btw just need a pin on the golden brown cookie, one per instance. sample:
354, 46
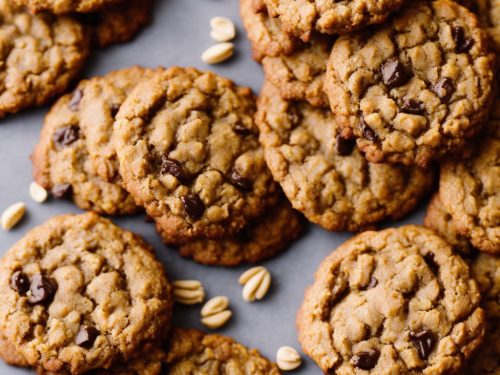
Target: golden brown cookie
10, 355
66, 6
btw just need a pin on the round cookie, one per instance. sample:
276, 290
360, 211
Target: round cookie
395, 301
469, 190
194, 352
417, 87
41, 55
264, 237
79, 293
10, 355
324, 175
488, 12
62, 165
188, 152
302, 18
65, 6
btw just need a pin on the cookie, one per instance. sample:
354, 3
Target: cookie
265, 237
79, 293
62, 164
41, 55
66, 6
265, 33
324, 175
469, 190
488, 12
10, 355
300, 76
194, 352
188, 152
392, 302
302, 18
416, 88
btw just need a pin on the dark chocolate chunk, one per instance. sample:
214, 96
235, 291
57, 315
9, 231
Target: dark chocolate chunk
413, 107
67, 135
242, 130
20, 282
394, 73
424, 341
62, 191
462, 43
174, 168
239, 181
444, 88
344, 146
365, 360
75, 100
193, 206
42, 289
86, 336
368, 132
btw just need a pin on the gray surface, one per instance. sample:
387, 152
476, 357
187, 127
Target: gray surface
178, 36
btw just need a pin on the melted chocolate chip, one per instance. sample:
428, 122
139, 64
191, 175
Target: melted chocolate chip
413, 107
373, 282
42, 289
462, 43
86, 336
20, 282
444, 88
394, 73
67, 135
424, 341
193, 206
239, 181
242, 130
365, 360
174, 168
62, 191
431, 262
368, 132
344, 146
75, 100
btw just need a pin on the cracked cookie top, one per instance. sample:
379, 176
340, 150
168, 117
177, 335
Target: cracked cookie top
41, 55
188, 151
394, 301
324, 175
417, 87
488, 12
79, 293
65, 6
194, 352
303, 17
62, 163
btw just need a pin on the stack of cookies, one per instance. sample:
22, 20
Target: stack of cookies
46, 43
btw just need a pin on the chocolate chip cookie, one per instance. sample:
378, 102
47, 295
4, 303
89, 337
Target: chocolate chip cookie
62, 165
265, 237
41, 55
66, 6
10, 355
417, 87
78, 293
395, 301
324, 175
469, 190
488, 12
194, 352
188, 152
302, 17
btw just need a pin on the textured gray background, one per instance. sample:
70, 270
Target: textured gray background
178, 36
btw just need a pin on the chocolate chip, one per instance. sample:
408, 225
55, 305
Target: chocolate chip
413, 107
67, 135
242, 130
62, 191
20, 282
444, 88
394, 73
373, 282
424, 341
365, 360
344, 146
368, 132
42, 289
431, 262
239, 181
462, 43
86, 336
174, 168
115, 107
193, 206
75, 100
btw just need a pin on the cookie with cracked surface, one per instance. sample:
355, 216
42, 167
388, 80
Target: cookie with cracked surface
265, 33
194, 352
397, 301
324, 175
62, 164
66, 6
488, 12
469, 190
79, 293
265, 237
41, 55
303, 17
417, 87
188, 152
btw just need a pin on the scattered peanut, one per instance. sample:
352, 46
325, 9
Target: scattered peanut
223, 29
38, 193
218, 53
13, 215
256, 281
188, 292
214, 314
287, 358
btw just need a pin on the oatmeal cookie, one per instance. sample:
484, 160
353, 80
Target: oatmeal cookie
65, 6
10, 355
417, 87
396, 301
